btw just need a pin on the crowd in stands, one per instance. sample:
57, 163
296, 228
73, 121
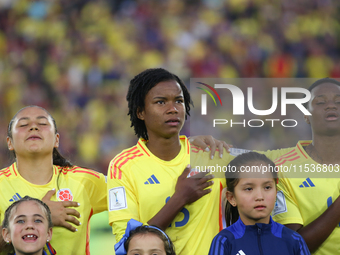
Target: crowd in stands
75, 58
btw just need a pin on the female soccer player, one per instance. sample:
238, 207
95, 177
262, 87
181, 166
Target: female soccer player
149, 183
251, 198
41, 172
311, 206
27, 226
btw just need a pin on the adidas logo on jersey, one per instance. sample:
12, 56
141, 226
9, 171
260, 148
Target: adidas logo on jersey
152, 180
16, 197
307, 183
240, 252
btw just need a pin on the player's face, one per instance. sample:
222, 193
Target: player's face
28, 228
164, 111
146, 244
33, 132
255, 198
325, 109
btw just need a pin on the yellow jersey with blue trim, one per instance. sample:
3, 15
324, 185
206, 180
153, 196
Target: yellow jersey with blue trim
139, 185
84, 186
303, 200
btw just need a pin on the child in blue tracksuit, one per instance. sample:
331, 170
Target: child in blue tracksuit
251, 194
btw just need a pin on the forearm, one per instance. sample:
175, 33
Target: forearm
169, 211
319, 230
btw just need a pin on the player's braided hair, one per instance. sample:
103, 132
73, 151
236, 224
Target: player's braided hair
231, 212
58, 159
140, 85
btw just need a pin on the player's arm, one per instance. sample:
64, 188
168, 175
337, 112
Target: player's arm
319, 230
187, 191
206, 141
62, 214
96, 188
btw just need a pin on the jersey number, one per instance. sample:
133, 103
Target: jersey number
186, 216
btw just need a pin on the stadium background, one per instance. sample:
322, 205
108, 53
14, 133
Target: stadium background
75, 58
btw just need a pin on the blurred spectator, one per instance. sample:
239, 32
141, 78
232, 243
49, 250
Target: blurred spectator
75, 58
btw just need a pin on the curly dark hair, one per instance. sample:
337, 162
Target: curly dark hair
140, 85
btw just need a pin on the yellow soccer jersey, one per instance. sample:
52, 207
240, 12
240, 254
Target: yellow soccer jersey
84, 186
302, 200
139, 185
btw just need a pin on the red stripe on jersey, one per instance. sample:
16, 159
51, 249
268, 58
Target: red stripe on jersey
116, 166
220, 214
197, 148
88, 234
283, 158
14, 170
86, 172
301, 151
194, 151
118, 157
143, 149
288, 160
114, 173
287, 153
6, 172
188, 146
128, 158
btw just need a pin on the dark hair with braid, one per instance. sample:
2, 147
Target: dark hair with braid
140, 85
231, 212
143, 230
58, 159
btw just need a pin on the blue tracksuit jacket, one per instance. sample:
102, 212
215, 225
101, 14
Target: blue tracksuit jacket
258, 239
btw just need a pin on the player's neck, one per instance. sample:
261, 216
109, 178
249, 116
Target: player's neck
165, 149
325, 149
35, 171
